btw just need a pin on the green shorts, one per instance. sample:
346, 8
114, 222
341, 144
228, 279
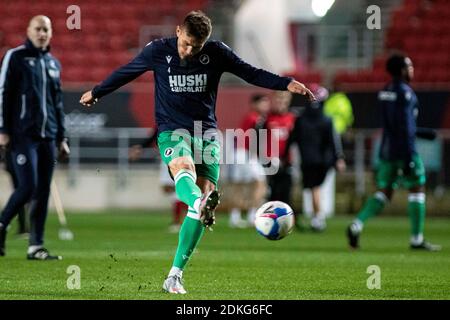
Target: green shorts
389, 174
205, 153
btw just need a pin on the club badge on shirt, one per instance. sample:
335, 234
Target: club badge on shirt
21, 159
204, 59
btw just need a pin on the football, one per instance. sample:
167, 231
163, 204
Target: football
274, 220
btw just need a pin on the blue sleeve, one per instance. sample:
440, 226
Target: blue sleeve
406, 123
251, 74
141, 63
8, 76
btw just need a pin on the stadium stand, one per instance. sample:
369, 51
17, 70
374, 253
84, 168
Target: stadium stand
419, 28
109, 34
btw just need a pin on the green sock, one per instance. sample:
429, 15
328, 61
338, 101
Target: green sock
190, 234
416, 212
372, 207
186, 189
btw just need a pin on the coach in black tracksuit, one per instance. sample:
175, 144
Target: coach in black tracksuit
320, 149
32, 127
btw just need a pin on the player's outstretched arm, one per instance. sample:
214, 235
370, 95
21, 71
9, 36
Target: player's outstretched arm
87, 99
141, 63
260, 77
300, 88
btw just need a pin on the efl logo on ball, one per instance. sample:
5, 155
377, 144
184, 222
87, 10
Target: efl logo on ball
274, 220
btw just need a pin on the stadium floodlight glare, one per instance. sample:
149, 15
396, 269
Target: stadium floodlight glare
321, 7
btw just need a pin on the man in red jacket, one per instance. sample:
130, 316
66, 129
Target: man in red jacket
247, 176
280, 122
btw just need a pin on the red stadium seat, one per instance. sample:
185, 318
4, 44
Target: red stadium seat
115, 43
420, 29
66, 41
92, 42
15, 25
73, 75
97, 74
13, 40
439, 75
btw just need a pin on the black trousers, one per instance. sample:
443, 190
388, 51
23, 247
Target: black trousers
33, 164
280, 185
21, 213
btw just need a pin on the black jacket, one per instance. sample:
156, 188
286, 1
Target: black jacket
30, 94
318, 142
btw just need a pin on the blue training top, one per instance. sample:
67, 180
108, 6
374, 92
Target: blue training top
31, 100
399, 107
186, 90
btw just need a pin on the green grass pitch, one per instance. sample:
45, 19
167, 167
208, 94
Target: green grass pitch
126, 255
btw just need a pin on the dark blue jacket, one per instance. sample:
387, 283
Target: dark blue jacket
30, 94
186, 90
399, 108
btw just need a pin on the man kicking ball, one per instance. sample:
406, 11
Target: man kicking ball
187, 69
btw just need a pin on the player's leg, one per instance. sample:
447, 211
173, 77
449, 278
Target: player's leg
276, 186
287, 186
374, 205
258, 195
415, 182
318, 223
21, 214
176, 151
281, 185
193, 227
258, 189
208, 171
22, 229
239, 201
25, 167
46, 156
185, 177
238, 173
170, 192
314, 176
178, 207
191, 232
386, 180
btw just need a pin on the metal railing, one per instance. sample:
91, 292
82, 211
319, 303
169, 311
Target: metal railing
106, 146
111, 145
